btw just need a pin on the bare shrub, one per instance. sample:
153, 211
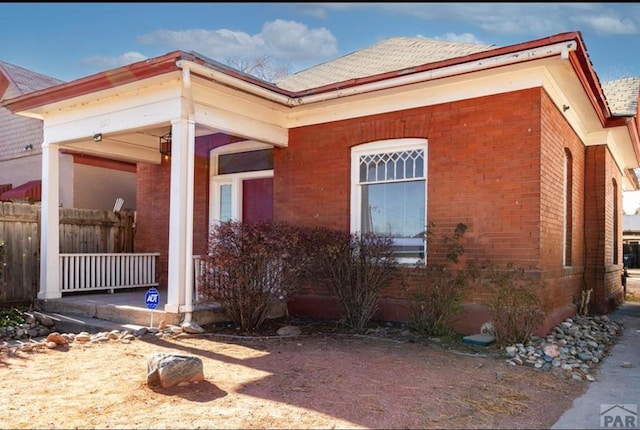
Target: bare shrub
355, 267
436, 291
251, 268
514, 302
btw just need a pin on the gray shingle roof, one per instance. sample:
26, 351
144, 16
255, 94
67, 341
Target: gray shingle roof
396, 53
25, 81
622, 95
16, 132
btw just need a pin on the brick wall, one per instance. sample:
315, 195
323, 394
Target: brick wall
495, 163
483, 170
604, 195
152, 230
562, 284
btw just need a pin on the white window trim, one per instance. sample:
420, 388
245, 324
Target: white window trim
377, 147
234, 179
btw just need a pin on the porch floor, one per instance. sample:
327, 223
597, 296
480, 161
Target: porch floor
126, 309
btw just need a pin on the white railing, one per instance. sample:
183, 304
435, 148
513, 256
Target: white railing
198, 268
91, 272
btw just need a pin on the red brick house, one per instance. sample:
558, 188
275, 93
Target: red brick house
520, 143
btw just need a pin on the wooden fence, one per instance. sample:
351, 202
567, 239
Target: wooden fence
81, 231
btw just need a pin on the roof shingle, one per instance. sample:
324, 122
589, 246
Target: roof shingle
622, 95
395, 53
16, 131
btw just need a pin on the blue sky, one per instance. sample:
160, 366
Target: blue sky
72, 40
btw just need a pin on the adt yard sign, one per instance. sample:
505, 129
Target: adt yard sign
152, 298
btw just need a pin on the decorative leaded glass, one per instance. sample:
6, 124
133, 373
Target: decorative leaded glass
390, 166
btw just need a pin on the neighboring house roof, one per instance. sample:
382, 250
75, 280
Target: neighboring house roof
31, 191
24, 81
622, 95
395, 53
18, 132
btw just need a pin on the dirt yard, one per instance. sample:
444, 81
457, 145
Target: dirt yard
315, 380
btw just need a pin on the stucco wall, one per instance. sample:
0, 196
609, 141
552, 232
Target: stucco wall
98, 187
18, 171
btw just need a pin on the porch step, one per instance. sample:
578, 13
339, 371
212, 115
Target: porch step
77, 324
98, 310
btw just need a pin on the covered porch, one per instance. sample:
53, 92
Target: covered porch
149, 112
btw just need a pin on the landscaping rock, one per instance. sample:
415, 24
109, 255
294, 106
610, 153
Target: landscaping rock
571, 349
169, 370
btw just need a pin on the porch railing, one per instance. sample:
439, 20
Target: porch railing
198, 269
91, 272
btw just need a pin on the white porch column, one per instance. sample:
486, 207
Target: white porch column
180, 265
50, 227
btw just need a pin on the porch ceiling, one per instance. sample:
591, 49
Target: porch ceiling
134, 145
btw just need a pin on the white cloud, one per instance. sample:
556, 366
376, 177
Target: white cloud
464, 37
287, 41
103, 62
537, 19
607, 24
314, 10
294, 41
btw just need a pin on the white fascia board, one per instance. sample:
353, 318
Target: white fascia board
214, 95
427, 93
84, 124
144, 86
240, 125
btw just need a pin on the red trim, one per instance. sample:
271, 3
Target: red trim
106, 163
97, 82
4, 84
166, 63
558, 38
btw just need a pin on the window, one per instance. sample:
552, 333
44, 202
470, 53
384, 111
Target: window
568, 207
614, 230
241, 182
388, 193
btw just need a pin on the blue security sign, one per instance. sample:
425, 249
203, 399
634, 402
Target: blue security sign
152, 298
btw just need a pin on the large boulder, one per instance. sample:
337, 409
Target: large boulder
168, 370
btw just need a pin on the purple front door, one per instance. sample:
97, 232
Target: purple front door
257, 200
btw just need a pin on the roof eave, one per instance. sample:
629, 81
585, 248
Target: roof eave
168, 63
97, 82
478, 56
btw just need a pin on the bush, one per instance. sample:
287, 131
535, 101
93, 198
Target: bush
436, 291
355, 267
514, 302
251, 268
12, 317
